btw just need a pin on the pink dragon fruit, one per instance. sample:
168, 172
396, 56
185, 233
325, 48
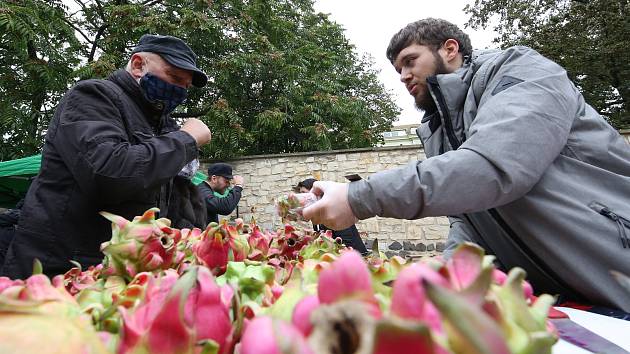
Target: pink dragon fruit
144, 244
213, 249
348, 278
409, 300
239, 246
183, 315
259, 244
265, 335
76, 279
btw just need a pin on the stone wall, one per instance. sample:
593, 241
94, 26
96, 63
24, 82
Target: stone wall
270, 176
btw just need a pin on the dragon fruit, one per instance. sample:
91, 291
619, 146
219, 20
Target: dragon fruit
144, 244
184, 315
265, 335
36, 317
213, 248
292, 290
259, 244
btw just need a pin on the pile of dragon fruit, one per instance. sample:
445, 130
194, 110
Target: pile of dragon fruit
235, 288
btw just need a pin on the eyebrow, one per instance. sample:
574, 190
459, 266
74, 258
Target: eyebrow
401, 60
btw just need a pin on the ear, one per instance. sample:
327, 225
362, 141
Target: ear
137, 66
450, 50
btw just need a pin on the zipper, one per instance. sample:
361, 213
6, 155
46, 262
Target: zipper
622, 223
438, 97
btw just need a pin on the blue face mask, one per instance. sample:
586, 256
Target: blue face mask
158, 90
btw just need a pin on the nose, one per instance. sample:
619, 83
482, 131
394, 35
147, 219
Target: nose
405, 75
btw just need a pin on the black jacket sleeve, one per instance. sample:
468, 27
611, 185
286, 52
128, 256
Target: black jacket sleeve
91, 138
225, 205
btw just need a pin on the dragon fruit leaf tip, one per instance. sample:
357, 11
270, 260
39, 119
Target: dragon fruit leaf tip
470, 328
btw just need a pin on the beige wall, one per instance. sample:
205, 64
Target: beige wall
269, 176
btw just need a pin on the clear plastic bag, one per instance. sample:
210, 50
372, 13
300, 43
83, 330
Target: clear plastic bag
290, 206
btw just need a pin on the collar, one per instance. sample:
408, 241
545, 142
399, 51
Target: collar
152, 111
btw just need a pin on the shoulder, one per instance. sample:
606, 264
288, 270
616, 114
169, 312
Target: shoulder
205, 189
514, 64
519, 59
94, 90
97, 84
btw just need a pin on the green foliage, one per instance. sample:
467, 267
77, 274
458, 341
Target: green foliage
282, 77
586, 37
38, 52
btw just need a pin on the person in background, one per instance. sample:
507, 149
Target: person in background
111, 146
349, 236
219, 178
517, 159
8, 222
187, 209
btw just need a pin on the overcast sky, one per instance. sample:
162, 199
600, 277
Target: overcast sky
369, 26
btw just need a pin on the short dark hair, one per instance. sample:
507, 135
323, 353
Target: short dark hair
307, 183
432, 32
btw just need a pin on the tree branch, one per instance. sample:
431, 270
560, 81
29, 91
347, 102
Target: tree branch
99, 9
95, 43
81, 4
77, 29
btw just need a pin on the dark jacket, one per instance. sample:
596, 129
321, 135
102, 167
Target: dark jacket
8, 221
350, 237
106, 149
186, 205
216, 206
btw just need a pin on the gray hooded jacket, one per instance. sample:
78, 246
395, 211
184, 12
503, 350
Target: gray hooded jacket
524, 167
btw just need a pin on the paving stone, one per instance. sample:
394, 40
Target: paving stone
395, 246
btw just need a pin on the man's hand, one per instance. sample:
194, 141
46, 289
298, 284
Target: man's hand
238, 180
333, 209
198, 130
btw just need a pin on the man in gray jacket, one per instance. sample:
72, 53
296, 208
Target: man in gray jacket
517, 159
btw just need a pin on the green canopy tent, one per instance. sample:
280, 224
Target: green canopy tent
16, 176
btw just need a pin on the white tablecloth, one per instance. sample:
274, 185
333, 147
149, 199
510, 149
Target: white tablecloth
615, 330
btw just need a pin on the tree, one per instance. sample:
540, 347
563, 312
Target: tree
587, 37
282, 77
38, 52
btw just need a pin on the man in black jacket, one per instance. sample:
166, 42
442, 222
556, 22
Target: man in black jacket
219, 177
111, 146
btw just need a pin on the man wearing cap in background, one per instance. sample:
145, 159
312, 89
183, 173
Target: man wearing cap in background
111, 146
219, 177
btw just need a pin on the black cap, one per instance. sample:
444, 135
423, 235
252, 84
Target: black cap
175, 52
307, 183
220, 169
